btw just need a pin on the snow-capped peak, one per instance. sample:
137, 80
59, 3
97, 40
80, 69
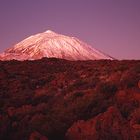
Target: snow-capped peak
50, 32
50, 44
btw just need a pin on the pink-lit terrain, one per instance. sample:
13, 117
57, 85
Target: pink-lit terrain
69, 91
70, 70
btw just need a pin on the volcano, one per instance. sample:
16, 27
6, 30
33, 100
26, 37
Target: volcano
52, 45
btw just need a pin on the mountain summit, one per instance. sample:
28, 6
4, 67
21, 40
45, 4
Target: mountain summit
50, 44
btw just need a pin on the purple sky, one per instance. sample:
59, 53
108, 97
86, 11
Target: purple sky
112, 26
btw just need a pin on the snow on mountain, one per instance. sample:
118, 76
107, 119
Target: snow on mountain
50, 44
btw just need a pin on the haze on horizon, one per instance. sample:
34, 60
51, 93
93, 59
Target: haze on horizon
112, 26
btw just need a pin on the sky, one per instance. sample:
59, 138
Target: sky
112, 26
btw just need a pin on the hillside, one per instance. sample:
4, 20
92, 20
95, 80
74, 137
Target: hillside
56, 99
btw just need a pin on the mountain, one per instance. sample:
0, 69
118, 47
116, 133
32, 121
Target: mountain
50, 44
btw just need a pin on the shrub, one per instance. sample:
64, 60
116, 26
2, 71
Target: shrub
107, 89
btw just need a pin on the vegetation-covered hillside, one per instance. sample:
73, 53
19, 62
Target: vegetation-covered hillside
53, 99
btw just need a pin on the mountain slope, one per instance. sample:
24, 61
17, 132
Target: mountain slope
50, 44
